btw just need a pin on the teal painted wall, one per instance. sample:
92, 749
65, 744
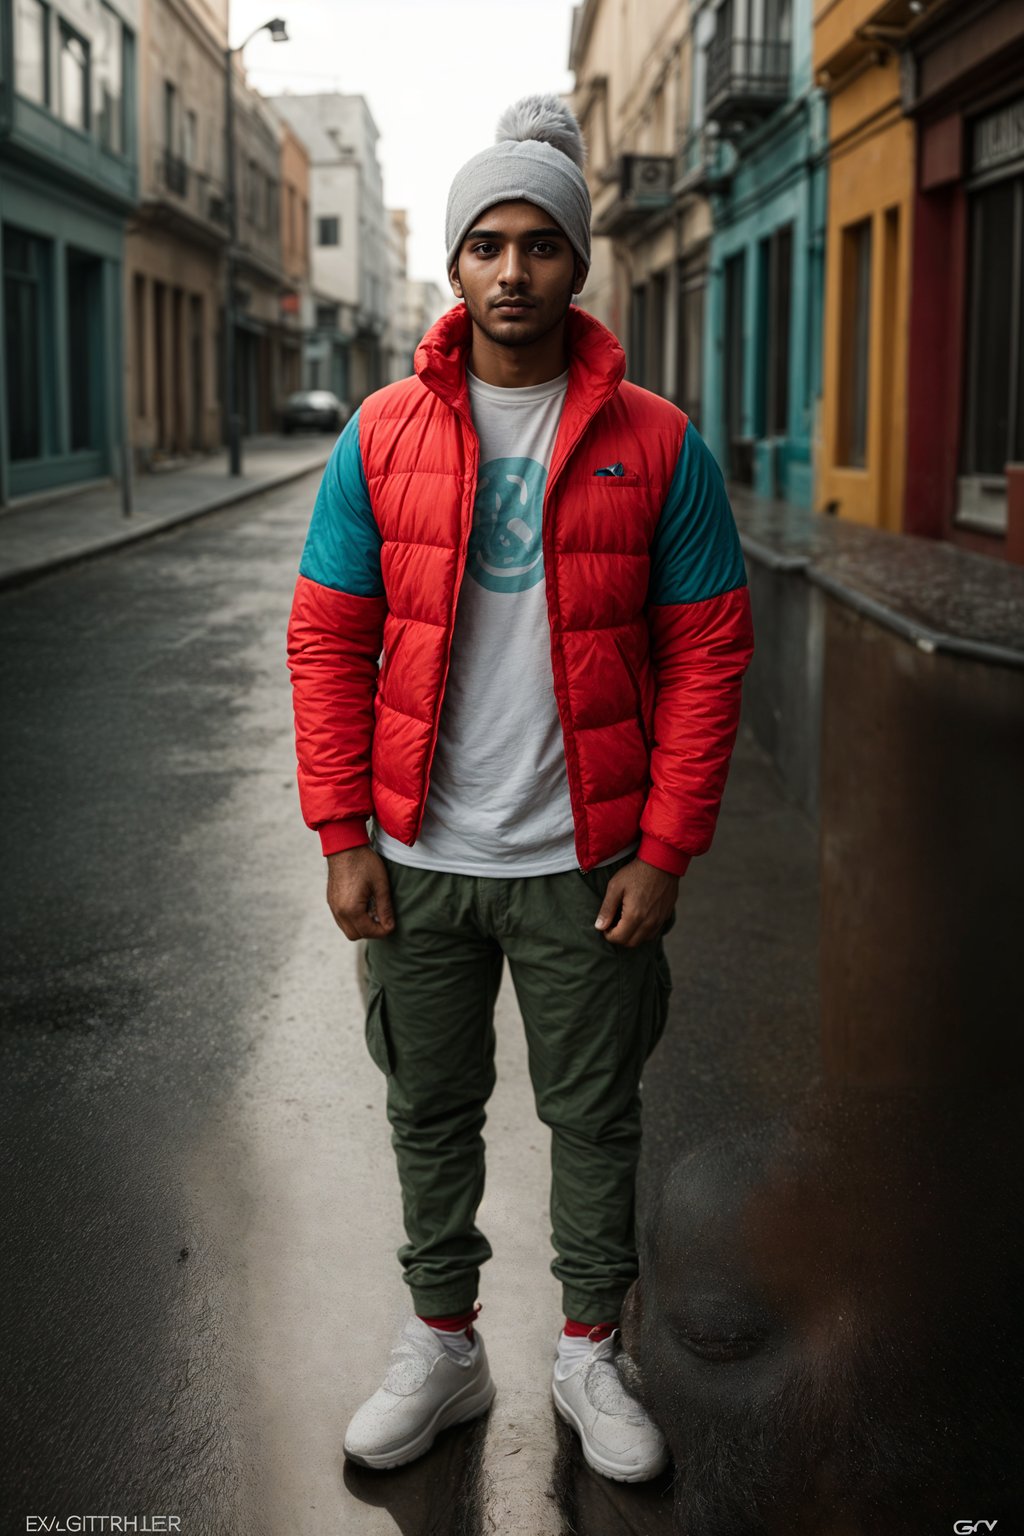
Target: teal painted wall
52, 214
778, 177
59, 185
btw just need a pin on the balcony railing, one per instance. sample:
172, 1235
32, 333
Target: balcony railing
185, 194
700, 163
746, 78
175, 174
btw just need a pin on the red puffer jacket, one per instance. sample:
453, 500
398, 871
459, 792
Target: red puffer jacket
646, 594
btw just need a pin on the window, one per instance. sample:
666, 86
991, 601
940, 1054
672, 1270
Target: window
170, 117
107, 80
31, 75
190, 139
994, 386
776, 289
735, 289
777, 20
327, 317
74, 79
638, 334
25, 275
328, 231
139, 325
659, 323
85, 309
690, 345
855, 334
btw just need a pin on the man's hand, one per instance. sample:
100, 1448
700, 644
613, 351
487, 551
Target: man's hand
358, 893
637, 904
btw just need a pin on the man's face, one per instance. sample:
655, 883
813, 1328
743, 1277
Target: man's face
517, 273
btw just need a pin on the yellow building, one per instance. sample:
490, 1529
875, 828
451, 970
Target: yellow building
861, 459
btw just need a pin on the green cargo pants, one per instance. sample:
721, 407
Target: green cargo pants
593, 1012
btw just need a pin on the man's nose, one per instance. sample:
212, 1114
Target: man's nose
513, 271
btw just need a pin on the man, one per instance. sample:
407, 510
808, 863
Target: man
547, 557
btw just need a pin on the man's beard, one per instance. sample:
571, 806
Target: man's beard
523, 334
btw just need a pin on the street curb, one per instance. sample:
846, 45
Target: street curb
24, 575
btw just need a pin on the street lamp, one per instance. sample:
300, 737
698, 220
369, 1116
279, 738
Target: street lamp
279, 32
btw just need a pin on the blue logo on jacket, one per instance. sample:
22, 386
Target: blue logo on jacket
505, 549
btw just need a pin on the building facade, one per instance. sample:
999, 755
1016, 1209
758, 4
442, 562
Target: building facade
763, 321
296, 298
861, 471
68, 183
633, 66
398, 335
346, 349
964, 90
176, 244
264, 336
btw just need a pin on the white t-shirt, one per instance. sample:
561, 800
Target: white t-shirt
499, 796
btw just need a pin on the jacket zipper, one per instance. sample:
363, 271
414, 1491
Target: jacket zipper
460, 571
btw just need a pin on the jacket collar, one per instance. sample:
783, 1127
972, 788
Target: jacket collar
597, 362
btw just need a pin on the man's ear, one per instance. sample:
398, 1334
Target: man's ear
453, 278
579, 276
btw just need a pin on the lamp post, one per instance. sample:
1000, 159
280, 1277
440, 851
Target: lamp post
279, 33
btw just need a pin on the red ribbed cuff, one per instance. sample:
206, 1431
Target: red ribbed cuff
339, 836
662, 856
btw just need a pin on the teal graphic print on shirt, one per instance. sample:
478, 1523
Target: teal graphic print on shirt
505, 549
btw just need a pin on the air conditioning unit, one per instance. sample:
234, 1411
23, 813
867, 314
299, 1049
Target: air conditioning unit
647, 178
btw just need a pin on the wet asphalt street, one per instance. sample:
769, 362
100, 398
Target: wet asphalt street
201, 1207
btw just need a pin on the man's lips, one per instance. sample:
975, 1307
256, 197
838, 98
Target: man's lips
517, 306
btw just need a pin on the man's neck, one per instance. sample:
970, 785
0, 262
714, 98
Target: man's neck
518, 367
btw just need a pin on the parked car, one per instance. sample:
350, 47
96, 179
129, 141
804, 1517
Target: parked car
314, 408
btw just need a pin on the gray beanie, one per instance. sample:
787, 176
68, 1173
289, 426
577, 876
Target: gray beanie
538, 158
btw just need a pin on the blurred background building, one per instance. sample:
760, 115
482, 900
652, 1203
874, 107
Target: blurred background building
177, 238
807, 219
114, 227
346, 350
69, 162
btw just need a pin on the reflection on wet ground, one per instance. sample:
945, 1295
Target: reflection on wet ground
826, 1323
439, 1495
595, 1506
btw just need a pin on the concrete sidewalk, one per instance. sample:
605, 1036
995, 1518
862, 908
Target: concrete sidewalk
41, 535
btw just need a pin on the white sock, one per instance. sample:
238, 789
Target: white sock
572, 1351
457, 1344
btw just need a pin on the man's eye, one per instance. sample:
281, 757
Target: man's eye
543, 246
483, 249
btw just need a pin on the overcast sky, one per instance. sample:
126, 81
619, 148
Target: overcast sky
436, 73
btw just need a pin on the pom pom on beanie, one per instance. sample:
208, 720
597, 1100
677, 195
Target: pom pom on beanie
547, 119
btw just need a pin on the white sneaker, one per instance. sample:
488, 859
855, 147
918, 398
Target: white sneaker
617, 1437
425, 1390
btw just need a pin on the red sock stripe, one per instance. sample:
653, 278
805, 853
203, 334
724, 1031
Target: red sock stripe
593, 1331
461, 1324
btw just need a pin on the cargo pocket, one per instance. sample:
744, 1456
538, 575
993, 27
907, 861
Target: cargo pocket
377, 1041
